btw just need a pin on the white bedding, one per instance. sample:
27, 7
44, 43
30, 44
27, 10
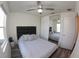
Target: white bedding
54, 36
39, 48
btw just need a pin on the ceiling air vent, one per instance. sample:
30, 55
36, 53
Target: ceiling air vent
69, 9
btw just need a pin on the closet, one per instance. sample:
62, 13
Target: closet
68, 30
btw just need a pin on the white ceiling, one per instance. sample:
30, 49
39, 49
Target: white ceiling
22, 6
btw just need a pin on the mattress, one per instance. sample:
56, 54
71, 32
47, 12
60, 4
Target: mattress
39, 48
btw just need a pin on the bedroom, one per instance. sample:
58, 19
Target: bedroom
20, 23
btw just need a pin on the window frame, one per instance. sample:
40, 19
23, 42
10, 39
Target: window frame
4, 26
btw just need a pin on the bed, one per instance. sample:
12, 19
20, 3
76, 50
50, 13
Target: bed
38, 48
54, 36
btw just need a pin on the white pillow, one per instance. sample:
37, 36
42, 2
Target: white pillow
29, 37
25, 37
34, 37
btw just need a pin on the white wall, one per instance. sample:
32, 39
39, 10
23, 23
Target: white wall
22, 19
77, 7
75, 53
45, 27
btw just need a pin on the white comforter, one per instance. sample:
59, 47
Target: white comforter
39, 48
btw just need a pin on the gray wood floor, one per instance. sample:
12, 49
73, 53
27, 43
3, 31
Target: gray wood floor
15, 52
61, 53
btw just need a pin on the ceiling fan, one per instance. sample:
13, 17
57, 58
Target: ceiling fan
40, 8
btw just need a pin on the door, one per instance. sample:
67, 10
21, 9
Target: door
77, 23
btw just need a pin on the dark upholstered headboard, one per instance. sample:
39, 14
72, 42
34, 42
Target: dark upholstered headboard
25, 30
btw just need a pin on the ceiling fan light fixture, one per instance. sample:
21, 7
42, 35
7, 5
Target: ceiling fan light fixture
39, 10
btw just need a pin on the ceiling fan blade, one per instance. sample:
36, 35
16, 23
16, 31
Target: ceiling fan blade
30, 9
52, 13
39, 4
49, 8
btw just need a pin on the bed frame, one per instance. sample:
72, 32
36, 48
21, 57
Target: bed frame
25, 30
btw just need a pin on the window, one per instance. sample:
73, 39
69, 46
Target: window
58, 27
2, 23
